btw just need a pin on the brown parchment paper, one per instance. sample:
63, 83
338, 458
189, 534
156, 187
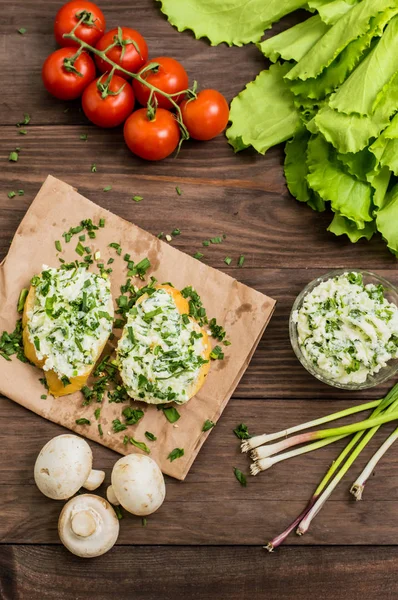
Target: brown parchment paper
243, 312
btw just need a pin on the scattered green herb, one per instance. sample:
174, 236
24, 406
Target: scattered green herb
179, 192
144, 521
58, 246
240, 477
241, 431
107, 188
22, 30
206, 243
137, 198
13, 156
97, 413
176, 232
11, 194
227, 260
140, 445
118, 512
126, 440
25, 121
150, 436
217, 353
171, 414
43, 397
241, 260
118, 426
100, 429
176, 453
93, 168
21, 300
21, 192
22, 132
198, 255
84, 137
208, 425
82, 421
217, 240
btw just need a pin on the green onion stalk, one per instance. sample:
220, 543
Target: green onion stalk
359, 484
305, 517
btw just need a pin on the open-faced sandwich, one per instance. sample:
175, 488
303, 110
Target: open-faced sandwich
67, 321
163, 354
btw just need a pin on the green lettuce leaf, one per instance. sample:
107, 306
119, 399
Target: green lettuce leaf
330, 12
366, 86
387, 219
349, 27
296, 171
379, 180
385, 148
342, 226
338, 71
348, 196
358, 164
351, 133
235, 22
263, 114
295, 42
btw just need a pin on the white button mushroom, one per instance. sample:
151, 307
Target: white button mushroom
64, 465
88, 526
137, 484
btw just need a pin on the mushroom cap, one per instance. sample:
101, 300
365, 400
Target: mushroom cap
63, 466
88, 526
138, 484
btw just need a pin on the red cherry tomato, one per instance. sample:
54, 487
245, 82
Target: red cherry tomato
135, 53
63, 83
152, 140
206, 116
170, 77
69, 15
112, 110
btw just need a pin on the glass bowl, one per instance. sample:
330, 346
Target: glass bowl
390, 292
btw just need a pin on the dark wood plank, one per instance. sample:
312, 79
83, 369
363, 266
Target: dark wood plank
44, 573
210, 507
243, 196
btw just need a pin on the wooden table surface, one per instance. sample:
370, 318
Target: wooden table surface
206, 540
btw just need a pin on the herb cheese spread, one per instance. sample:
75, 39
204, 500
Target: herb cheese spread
70, 319
346, 329
162, 352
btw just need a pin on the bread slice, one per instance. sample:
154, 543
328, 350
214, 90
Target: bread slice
164, 357
67, 363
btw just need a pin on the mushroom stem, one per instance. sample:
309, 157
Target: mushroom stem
110, 494
94, 480
83, 523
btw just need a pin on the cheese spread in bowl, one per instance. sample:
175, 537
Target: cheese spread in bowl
344, 329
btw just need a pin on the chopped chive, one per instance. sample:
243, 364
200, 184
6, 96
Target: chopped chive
13, 156
102, 222
84, 137
198, 255
25, 121
107, 188
21, 300
206, 243
144, 521
126, 440
22, 30
82, 237
91, 234
150, 436
217, 353
207, 425
110, 261
76, 229
11, 194
43, 396
140, 445
160, 235
97, 413
21, 192
137, 198
176, 453
216, 240
82, 421
179, 192
79, 249
93, 168
58, 246
100, 429
240, 477
176, 232
241, 260
227, 260
171, 414
22, 132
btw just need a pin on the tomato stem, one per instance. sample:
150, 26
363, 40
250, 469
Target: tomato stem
137, 76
